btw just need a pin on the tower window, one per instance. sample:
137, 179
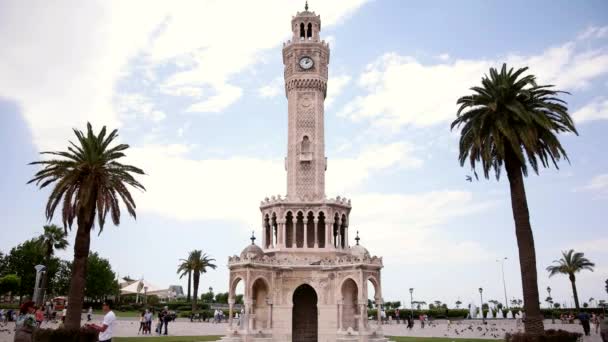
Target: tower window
309, 33
302, 31
305, 144
305, 150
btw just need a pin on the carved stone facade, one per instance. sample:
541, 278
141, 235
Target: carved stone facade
305, 283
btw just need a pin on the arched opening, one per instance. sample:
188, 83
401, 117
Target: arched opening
343, 232
275, 230
261, 309
300, 230
301, 30
350, 310
372, 296
305, 144
289, 238
267, 232
304, 315
237, 292
309, 32
336, 230
310, 230
321, 230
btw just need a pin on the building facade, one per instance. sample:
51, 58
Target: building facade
305, 283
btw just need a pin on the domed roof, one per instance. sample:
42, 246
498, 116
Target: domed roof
252, 251
358, 250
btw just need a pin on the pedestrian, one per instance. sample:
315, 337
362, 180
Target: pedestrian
421, 318
142, 323
165, 319
148, 320
107, 327
26, 323
584, 318
39, 316
2, 315
90, 314
410, 322
382, 316
597, 320
397, 317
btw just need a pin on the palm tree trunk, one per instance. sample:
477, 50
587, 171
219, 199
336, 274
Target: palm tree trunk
574, 292
189, 285
79, 268
525, 242
195, 291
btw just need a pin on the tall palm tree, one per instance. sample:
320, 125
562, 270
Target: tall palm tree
571, 262
88, 180
185, 268
513, 121
200, 262
53, 238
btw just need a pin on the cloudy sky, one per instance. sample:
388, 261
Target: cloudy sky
196, 89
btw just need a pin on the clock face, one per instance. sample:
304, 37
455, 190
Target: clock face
306, 62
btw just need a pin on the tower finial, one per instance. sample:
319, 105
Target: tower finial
357, 238
306, 6
252, 238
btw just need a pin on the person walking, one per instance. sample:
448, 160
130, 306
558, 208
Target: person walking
90, 314
148, 320
142, 323
106, 329
26, 323
165, 320
584, 318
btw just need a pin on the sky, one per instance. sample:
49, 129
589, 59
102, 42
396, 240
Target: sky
196, 89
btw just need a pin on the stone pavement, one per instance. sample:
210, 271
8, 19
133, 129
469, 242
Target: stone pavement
495, 329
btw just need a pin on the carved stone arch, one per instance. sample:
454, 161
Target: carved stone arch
376, 283
260, 293
300, 229
289, 229
234, 281
350, 292
351, 277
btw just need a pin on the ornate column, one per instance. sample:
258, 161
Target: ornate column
305, 232
269, 302
340, 315
362, 315
379, 313
293, 237
264, 232
316, 223
281, 234
230, 312
346, 237
328, 236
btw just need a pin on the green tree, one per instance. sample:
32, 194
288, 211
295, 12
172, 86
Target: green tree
9, 283
513, 121
185, 268
89, 180
21, 261
458, 303
53, 238
570, 263
221, 298
200, 263
60, 283
101, 280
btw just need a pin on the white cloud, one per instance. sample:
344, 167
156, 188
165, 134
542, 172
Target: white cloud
273, 89
184, 188
597, 109
335, 85
444, 56
61, 62
136, 105
594, 32
412, 225
598, 184
401, 90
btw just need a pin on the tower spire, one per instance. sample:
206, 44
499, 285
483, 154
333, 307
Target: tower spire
252, 238
357, 238
306, 6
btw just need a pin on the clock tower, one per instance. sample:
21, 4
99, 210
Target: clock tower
306, 59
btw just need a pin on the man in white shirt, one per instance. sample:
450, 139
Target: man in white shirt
105, 329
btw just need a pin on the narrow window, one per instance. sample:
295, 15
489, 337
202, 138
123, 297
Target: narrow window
302, 30
309, 33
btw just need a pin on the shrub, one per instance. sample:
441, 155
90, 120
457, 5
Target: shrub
65, 335
549, 336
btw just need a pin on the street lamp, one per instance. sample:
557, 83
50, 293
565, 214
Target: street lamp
412, 302
483, 318
504, 285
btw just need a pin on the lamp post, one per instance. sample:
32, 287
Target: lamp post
551, 304
504, 285
483, 318
146, 296
412, 302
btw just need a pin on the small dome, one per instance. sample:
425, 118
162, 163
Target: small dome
359, 251
252, 251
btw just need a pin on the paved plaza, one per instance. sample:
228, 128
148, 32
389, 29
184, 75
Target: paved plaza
127, 327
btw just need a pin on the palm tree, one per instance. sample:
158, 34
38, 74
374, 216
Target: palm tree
53, 238
185, 267
513, 121
571, 263
200, 262
89, 181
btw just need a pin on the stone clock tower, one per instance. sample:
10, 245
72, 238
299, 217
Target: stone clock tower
306, 59
305, 282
